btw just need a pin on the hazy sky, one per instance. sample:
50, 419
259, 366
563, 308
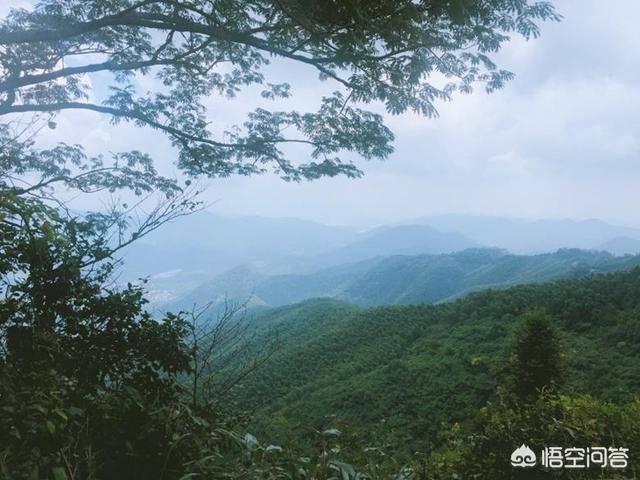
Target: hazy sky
561, 140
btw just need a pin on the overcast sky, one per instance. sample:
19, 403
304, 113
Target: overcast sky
560, 141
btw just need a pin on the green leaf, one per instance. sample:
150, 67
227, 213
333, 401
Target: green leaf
61, 414
51, 427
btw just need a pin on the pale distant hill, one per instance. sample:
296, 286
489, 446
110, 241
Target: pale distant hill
235, 285
530, 236
208, 243
621, 246
399, 240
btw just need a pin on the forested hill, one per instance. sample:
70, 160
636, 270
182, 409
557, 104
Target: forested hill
402, 373
407, 279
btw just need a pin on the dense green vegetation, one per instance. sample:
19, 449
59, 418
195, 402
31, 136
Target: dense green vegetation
406, 279
403, 374
430, 279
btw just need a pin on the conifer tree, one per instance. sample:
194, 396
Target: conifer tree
537, 356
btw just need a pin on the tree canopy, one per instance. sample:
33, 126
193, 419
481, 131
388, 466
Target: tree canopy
537, 356
405, 54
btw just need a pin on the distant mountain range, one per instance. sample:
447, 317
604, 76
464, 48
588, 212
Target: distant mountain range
190, 250
193, 251
399, 240
404, 279
535, 236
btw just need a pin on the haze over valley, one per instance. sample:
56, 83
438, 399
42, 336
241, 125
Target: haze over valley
206, 257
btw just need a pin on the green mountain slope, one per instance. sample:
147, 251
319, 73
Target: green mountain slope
401, 372
434, 278
430, 279
404, 279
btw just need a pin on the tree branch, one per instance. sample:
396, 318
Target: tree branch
116, 112
165, 22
